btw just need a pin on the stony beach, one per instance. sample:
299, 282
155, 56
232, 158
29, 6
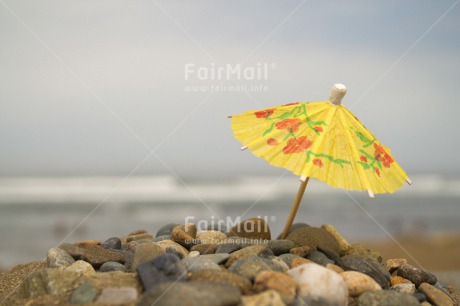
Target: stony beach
242, 265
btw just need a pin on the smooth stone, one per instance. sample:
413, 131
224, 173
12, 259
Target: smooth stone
193, 293
84, 294
193, 254
170, 246
74, 251
211, 237
204, 248
144, 252
112, 266
137, 232
279, 247
86, 243
367, 266
161, 238
302, 251
49, 281
113, 243
97, 255
217, 258
164, 268
145, 237
257, 250
435, 296
420, 296
386, 298
166, 229
244, 241
416, 276
184, 234
395, 280
299, 261
360, 250
117, 296
115, 279
406, 288
319, 258
314, 237
266, 298
250, 266
282, 283
358, 283
316, 281
287, 258
280, 263
82, 267
228, 248
222, 276
198, 263
256, 228
344, 245
394, 264
58, 258
334, 268
294, 227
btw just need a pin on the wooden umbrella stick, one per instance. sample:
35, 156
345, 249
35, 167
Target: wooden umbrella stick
295, 207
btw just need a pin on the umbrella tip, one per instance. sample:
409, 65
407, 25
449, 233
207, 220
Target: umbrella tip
338, 91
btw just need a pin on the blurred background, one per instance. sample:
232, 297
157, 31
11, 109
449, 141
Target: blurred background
113, 117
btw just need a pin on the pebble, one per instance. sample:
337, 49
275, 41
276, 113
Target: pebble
49, 281
84, 294
113, 243
112, 266
184, 234
211, 237
166, 267
74, 251
406, 288
395, 280
294, 227
255, 228
86, 243
170, 246
257, 250
117, 296
199, 263
147, 237
287, 258
359, 283
195, 293
166, 229
250, 266
115, 279
368, 266
216, 227
81, 266
314, 237
282, 283
161, 238
299, 261
302, 251
144, 252
97, 255
217, 258
344, 245
360, 250
415, 275
228, 248
394, 264
58, 258
421, 297
137, 232
222, 276
334, 268
319, 258
385, 298
266, 298
279, 247
435, 296
316, 281
193, 254
204, 248
280, 263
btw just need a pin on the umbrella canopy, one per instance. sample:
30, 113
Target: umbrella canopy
321, 140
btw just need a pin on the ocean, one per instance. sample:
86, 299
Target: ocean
40, 213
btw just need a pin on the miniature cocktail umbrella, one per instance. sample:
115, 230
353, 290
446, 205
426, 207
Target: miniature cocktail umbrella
321, 140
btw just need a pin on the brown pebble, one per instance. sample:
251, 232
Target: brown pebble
302, 251
394, 264
334, 268
137, 232
435, 296
86, 243
283, 283
395, 280
204, 248
139, 237
299, 261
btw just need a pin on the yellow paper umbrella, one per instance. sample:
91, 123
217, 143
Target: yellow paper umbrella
321, 140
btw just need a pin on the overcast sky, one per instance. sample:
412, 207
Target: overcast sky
90, 87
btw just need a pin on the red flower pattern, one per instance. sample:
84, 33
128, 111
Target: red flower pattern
382, 156
317, 162
272, 142
293, 103
318, 129
363, 158
292, 125
377, 171
297, 145
264, 113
